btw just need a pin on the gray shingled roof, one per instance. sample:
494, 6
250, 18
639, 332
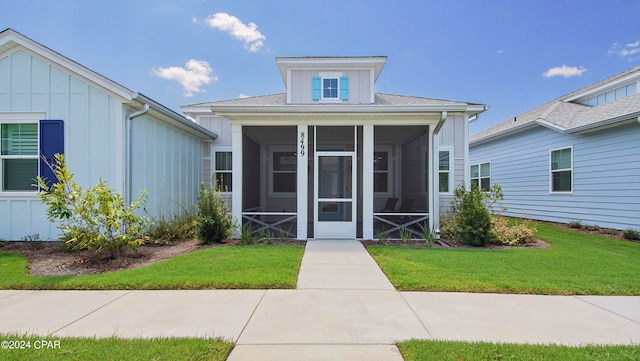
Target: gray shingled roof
568, 116
280, 99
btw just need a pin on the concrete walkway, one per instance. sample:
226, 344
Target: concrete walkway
344, 309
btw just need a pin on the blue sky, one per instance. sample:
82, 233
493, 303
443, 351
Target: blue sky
510, 55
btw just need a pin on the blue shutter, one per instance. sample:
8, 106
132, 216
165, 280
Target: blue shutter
51, 142
315, 88
344, 88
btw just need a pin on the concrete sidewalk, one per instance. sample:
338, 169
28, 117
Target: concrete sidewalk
344, 309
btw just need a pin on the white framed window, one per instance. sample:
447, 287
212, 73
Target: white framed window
283, 166
222, 170
481, 175
561, 170
330, 86
19, 159
382, 171
445, 170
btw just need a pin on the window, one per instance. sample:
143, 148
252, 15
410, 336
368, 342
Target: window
284, 172
444, 171
222, 174
330, 87
611, 95
381, 172
19, 156
481, 176
561, 170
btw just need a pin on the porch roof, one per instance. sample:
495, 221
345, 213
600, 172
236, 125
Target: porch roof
383, 103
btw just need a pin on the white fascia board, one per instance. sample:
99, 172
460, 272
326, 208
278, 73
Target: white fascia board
463, 108
552, 126
606, 122
67, 64
320, 63
503, 133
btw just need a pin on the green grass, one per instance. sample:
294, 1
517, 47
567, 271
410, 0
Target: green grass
575, 263
115, 349
415, 350
240, 267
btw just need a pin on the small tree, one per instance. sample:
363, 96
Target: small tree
97, 218
215, 223
473, 221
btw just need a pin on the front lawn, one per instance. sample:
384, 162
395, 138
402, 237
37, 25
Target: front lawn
255, 267
575, 263
76, 348
415, 350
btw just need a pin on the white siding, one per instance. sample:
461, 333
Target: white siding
167, 163
453, 134
359, 85
606, 180
30, 84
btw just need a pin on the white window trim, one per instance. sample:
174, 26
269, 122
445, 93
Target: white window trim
479, 177
21, 118
220, 149
277, 149
390, 170
449, 149
551, 191
329, 75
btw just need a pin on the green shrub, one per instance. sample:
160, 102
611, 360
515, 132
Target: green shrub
214, 220
245, 234
97, 218
472, 216
405, 235
504, 234
592, 228
631, 234
180, 226
448, 226
575, 224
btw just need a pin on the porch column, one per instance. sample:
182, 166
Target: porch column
367, 181
236, 180
303, 179
434, 166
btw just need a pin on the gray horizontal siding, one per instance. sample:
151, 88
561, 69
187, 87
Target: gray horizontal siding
606, 172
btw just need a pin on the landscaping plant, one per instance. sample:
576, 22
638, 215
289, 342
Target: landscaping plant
214, 221
473, 221
180, 226
96, 218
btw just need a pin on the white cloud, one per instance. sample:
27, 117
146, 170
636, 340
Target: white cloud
195, 74
626, 49
565, 71
248, 33
499, 52
242, 96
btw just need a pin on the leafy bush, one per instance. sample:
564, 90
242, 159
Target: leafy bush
180, 226
631, 234
214, 221
448, 226
511, 235
97, 218
472, 216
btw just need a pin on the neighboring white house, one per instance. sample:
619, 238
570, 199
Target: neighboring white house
575, 158
331, 158
51, 104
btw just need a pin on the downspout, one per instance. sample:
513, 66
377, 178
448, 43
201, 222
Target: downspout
129, 130
435, 186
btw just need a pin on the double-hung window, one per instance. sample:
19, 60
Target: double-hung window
381, 172
284, 172
445, 168
481, 176
19, 155
27, 149
561, 176
222, 173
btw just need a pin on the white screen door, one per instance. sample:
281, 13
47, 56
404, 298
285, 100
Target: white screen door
335, 188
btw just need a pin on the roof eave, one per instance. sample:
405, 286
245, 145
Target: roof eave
457, 108
635, 116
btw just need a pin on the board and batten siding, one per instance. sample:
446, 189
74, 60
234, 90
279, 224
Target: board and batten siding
606, 175
167, 163
28, 83
359, 85
453, 134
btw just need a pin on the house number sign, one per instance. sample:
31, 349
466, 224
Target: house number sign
302, 141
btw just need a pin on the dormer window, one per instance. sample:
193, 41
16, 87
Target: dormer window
610, 95
330, 87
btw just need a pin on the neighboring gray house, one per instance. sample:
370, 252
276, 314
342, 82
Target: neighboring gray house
331, 158
575, 158
51, 104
